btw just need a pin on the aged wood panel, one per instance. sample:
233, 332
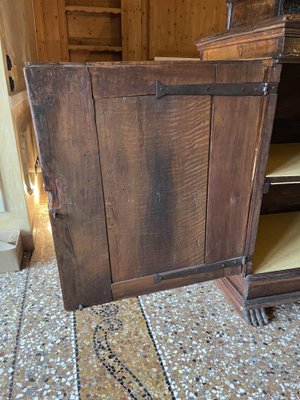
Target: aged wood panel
234, 141
281, 198
63, 110
249, 11
148, 284
278, 39
138, 79
275, 283
154, 156
243, 12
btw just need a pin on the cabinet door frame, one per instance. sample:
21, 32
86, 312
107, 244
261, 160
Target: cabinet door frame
92, 284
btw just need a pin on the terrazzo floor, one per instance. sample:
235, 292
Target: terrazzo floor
186, 343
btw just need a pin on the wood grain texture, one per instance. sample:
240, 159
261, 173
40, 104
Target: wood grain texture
176, 24
94, 3
154, 156
63, 110
234, 140
96, 29
138, 79
50, 30
273, 283
277, 38
132, 29
249, 11
89, 55
147, 284
281, 198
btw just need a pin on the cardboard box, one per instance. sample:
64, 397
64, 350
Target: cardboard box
11, 251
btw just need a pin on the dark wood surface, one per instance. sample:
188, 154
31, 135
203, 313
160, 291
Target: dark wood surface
279, 283
63, 112
287, 117
275, 38
104, 120
155, 181
148, 284
138, 79
281, 198
245, 12
234, 140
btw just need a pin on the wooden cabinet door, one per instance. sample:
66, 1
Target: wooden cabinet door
150, 169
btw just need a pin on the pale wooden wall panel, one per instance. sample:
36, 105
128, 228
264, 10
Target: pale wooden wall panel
175, 25
50, 25
99, 29
149, 27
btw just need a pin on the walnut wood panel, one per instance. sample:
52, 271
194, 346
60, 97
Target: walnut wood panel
154, 156
138, 79
278, 38
281, 198
287, 117
249, 11
274, 283
148, 284
232, 291
234, 140
63, 110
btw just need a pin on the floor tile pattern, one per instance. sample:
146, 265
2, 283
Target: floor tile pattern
210, 353
187, 339
114, 343
12, 288
44, 365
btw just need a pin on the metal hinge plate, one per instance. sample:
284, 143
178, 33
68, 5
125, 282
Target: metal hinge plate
216, 89
183, 272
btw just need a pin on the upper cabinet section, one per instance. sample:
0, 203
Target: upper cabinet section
243, 12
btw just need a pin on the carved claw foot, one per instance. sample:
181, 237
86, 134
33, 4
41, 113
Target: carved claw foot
256, 317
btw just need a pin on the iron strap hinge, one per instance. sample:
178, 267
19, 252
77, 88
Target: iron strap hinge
183, 272
216, 89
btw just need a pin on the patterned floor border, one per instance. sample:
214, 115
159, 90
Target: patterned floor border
76, 356
164, 367
18, 336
